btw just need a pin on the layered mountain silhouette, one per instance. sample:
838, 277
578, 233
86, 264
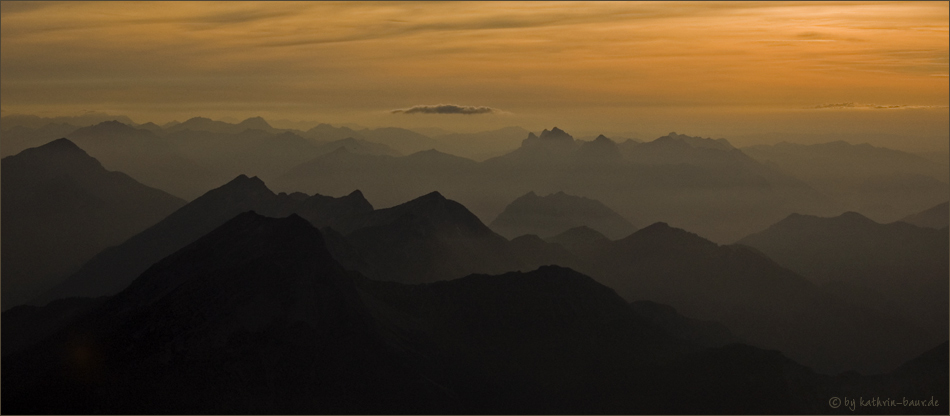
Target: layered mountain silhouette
883, 184
721, 193
760, 301
145, 156
553, 214
17, 138
896, 268
113, 269
60, 208
257, 316
427, 239
936, 217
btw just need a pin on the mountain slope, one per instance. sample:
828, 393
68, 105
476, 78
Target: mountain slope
553, 214
937, 217
255, 316
898, 267
761, 302
61, 207
145, 156
427, 239
113, 269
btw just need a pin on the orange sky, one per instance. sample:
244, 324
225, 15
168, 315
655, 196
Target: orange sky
712, 69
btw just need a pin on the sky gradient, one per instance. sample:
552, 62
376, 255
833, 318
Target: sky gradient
744, 71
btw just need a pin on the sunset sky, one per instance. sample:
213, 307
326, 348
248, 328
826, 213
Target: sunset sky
743, 71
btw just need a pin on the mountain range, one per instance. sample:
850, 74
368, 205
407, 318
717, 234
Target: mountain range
60, 208
257, 316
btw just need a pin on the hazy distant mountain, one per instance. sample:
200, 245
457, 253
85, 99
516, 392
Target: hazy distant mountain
936, 217
385, 180
881, 183
61, 207
581, 241
252, 151
327, 133
599, 150
15, 139
214, 126
113, 269
35, 122
427, 239
404, 141
547, 216
723, 199
761, 302
481, 145
553, 145
145, 156
896, 268
256, 316
358, 146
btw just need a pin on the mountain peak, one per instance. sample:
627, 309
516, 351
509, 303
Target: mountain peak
661, 233
556, 134
244, 184
62, 144
256, 123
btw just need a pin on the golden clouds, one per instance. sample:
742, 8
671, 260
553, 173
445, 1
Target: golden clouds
531, 57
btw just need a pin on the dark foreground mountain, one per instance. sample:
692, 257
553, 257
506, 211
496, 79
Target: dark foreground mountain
761, 302
61, 207
257, 317
113, 269
896, 268
937, 217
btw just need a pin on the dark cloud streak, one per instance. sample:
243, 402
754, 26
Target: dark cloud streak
445, 109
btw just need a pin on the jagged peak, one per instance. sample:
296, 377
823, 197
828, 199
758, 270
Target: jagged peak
532, 136
555, 134
602, 138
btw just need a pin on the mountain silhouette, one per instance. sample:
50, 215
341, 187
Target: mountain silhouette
61, 207
359, 146
145, 156
599, 150
758, 300
883, 184
897, 268
427, 239
553, 214
256, 152
255, 316
936, 217
18, 138
113, 269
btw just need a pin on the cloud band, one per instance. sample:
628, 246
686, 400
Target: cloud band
445, 109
